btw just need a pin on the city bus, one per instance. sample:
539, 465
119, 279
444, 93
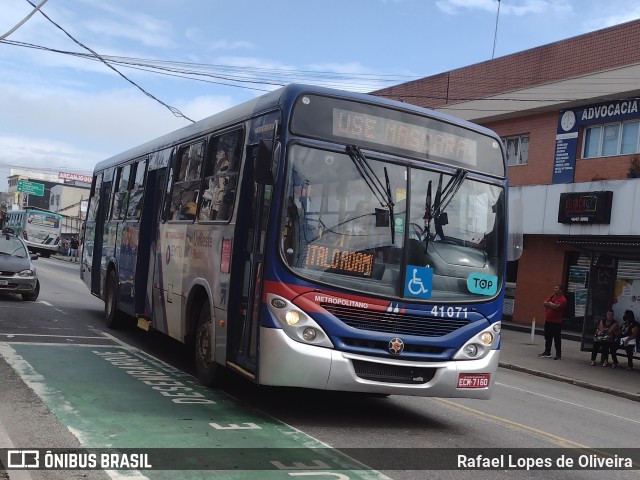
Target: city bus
312, 238
41, 229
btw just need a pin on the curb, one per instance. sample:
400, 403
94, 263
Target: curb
578, 383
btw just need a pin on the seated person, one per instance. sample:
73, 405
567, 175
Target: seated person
605, 336
629, 337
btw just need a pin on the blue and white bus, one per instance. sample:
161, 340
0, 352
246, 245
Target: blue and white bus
312, 238
40, 229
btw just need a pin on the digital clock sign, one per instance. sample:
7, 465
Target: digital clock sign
585, 207
338, 259
404, 135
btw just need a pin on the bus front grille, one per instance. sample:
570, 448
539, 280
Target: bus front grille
394, 323
379, 372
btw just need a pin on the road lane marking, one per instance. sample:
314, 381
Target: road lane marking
48, 335
114, 339
573, 404
561, 441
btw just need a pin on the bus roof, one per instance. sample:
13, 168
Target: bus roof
37, 209
270, 101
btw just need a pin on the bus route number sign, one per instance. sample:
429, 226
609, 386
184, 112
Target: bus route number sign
339, 260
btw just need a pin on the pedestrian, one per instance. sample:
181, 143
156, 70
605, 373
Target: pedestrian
73, 249
553, 310
629, 334
604, 339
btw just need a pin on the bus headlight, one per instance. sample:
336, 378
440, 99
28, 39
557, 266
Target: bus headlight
480, 345
296, 323
470, 350
292, 317
486, 338
309, 334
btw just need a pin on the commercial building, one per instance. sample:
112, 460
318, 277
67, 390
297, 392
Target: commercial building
62, 192
569, 116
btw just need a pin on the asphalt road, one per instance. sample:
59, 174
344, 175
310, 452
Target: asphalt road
57, 385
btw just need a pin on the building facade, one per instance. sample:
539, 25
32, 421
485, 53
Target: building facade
569, 116
61, 192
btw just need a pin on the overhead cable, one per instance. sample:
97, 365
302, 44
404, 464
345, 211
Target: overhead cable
173, 110
2, 37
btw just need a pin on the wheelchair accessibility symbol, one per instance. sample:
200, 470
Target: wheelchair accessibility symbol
417, 281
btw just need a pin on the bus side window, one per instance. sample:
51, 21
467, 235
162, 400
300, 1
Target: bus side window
94, 199
221, 177
137, 191
186, 188
122, 193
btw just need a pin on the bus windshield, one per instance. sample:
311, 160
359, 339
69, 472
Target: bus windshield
342, 231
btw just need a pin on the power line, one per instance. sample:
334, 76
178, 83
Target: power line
173, 110
248, 77
2, 37
495, 35
240, 76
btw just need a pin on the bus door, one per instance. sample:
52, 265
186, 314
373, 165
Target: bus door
148, 232
102, 215
248, 260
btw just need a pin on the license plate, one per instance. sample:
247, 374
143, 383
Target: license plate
4, 282
473, 380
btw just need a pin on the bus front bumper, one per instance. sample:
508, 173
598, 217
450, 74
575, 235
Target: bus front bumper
285, 362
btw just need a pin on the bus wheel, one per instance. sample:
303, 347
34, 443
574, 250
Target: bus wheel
207, 369
111, 315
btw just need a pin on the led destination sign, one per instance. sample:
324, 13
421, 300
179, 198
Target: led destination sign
393, 133
422, 135
338, 259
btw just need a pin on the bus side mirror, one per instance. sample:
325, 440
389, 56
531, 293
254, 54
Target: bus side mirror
265, 162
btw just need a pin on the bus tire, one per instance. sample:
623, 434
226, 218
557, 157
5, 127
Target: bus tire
112, 317
33, 296
208, 371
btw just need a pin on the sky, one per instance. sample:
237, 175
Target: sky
62, 108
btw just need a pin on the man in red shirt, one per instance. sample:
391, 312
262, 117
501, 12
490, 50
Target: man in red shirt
553, 309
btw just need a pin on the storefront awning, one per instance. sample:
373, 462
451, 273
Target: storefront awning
621, 247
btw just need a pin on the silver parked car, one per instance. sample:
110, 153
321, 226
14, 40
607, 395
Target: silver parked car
17, 273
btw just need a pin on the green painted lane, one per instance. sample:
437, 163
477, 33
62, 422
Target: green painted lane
116, 397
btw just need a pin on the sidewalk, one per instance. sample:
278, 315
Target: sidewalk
517, 353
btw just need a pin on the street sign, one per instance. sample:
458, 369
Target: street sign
31, 188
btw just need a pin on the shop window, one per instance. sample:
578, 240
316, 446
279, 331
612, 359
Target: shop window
517, 148
611, 139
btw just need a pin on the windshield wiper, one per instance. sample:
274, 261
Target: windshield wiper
450, 189
390, 204
441, 202
373, 182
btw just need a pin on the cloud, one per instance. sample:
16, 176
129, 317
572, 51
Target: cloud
604, 20
131, 25
518, 8
72, 131
45, 154
228, 45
